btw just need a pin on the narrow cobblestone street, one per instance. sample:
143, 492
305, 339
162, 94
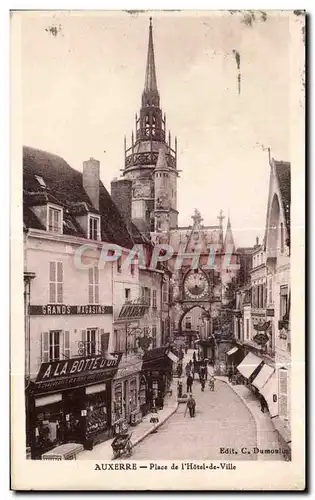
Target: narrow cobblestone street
221, 421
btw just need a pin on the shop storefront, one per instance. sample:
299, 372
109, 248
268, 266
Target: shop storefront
126, 394
71, 402
157, 370
233, 358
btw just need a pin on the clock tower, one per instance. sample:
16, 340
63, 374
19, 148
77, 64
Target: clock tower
141, 158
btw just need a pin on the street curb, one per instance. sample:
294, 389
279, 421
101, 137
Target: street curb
257, 424
156, 426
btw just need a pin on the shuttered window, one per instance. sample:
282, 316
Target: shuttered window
55, 345
55, 282
283, 393
94, 285
269, 290
92, 342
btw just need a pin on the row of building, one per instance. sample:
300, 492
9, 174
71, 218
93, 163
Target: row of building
261, 350
96, 333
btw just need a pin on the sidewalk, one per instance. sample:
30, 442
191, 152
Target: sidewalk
103, 451
267, 436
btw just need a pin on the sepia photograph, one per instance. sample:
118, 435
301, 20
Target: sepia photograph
157, 228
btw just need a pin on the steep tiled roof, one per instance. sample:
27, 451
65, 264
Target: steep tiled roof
64, 183
283, 173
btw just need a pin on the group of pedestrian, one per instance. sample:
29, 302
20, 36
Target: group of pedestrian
192, 367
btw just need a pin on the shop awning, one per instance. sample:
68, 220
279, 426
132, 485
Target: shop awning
173, 357
249, 365
157, 359
232, 351
263, 376
269, 390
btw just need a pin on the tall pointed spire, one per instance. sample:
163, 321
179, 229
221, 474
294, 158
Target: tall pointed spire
150, 83
229, 240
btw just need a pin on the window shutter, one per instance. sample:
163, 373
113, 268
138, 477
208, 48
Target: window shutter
52, 293
149, 296
104, 342
52, 271
66, 347
60, 272
96, 275
283, 393
97, 341
45, 347
59, 293
91, 294
97, 295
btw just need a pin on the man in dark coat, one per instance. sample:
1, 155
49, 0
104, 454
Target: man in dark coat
191, 405
189, 383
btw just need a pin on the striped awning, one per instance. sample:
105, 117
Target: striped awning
263, 376
249, 365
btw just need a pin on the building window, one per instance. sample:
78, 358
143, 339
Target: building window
127, 294
165, 292
269, 290
55, 282
54, 219
188, 323
118, 265
283, 393
153, 336
94, 285
281, 237
132, 269
91, 342
283, 301
94, 228
154, 299
146, 295
54, 345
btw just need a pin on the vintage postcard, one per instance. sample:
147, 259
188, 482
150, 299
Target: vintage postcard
157, 251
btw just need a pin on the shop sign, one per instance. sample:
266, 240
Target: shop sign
126, 371
75, 372
261, 338
65, 310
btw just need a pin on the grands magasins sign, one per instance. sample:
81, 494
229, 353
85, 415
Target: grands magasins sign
60, 310
59, 375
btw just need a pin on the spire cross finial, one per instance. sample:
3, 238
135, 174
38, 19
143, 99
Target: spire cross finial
221, 217
150, 22
197, 217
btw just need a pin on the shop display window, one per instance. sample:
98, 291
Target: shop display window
133, 394
155, 389
118, 402
97, 418
142, 392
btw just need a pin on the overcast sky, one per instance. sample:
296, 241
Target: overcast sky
82, 88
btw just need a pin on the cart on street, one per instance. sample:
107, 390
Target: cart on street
122, 445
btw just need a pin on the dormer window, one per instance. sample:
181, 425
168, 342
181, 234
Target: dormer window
40, 180
54, 219
94, 227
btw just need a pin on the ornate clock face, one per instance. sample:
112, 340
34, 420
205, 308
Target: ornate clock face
196, 285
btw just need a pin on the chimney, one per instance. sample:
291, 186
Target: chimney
91, 181
121, 194
257, 240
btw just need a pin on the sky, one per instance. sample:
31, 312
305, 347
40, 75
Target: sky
82, 85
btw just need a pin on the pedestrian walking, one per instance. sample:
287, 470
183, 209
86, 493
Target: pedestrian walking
202, 373
194, 357
191, 406
230, 374
211, 383
188, 369
189, 383
263, 404
202, 383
